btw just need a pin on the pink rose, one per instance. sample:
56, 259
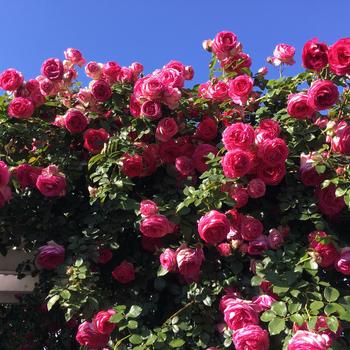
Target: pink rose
51, 182
275, 239
236, 163
225, 44
74, 56
239, 315
240, 88
271, 175
110, 71
137, 68
326, 253
151, 88
251, 228
94, 140
132, 165
256, 188
50, 256
315, 55
166, 129
238, 135
323, 94
94, 70
168, 260
263, 302
148, 208
251, 337
88, 336
328, 203
207, 129
283, 53
273, 151
339, 57
4, 174
217, 91
21, 107
224, 249
341, 140
303, 340
171, 77
267, 129
100, 90
171, 97
213, 227
342, 264
124, 273
101, 322
308, 173
200, 156
184, 165
189, 262
27, 175
105, 255
151, 110
156, 226
11, 79
75, 121
298, 106
239, 195
52, 69
258, 245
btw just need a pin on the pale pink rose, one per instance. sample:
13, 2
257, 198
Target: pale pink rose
189, 262
148, 208
94, 70
308, 340
168, 260
283, 53
74, 56
171, 97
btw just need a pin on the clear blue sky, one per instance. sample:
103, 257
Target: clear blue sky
154, 32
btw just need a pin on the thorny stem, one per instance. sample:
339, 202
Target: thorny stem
179, 311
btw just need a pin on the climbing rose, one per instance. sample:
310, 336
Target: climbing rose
251, 228
74, 56
51, 182
251, 337
225, 44
4, 174
323, 94
52, 69
283, 53
148, 208
11, 79
50, 256
124, 273
156, 226
101, 90
101, 322
75, 121
240, 88
94, 140
239, 315
88, 336
303, 340
200, 156
339, 57
189, 262
238, 135
342, 264
213, 227
168, 260
21, 108
236, 163
256, 188
298, 106
315, 55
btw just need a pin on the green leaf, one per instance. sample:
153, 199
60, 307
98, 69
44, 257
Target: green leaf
277, 325
331, 294
116, 318
267, 316
333, 323
279, 308
134, 311
316, 305
135, 339
293, 308
52, 301
176, 343
132, 324
297, 318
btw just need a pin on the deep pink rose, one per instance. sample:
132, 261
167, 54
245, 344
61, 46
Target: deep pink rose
217, 91
171, 77
5, 195
323, 94
239, 315
207, 129
110, 71
27, 175
298, 106
315, 55
101, 322
328, 203
137, 68
224, 249
75, 121
200, 156
225, 44
4, 174
267, 129
124, 273
88, 336
94, 70
275, 239
74, 56
239, 195
341, 140
105, 255
151, 110
251, 337
342, 264
308, 173
283, 53
263, 302
151, 88
251, 228
238, 135
132, 165
189, 262
21, 107
240, 88
94, 140
258, 245
51, 182
100, 90
213, 227
236, 63
339, 57
148, 208
156, 226
273, 151
171, 97
256, 188
271, 175
11, 79
166, 129
168, 260
52, 69
184, 165
303, 340
236, 163
50, 256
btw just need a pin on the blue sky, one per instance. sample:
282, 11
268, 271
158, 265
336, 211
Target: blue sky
154, 32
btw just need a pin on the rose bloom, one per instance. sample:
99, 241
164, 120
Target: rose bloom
100, 90
263, 302
52, 69
239, 315
341, 140
156, 226
131, 165
4, 174
251, 337
136, 67
124, 273
238, 135
151, 110
275, 239
189, 262
74, 56
258, 245
217, 91
224, 249
327, 253
166, 129
298, 107
256, 188
27, 175
184, 165
323, 94
339, 57
151, 88
148, 208
267, 129
168, 260
283, 53
213, 227
21, 108
171, 77
75, 121
94, 70
5, 195
236, 63
236, 163
110, 71
303, 340
273, 151
101, 322
105, 255
50, 256
239, 195
88, 336
94, 140
51, 182
225, 44
200, 156
271, 175
328, 203
11, 79
314, 55
207, 129
342, 264
240, 88
251, 228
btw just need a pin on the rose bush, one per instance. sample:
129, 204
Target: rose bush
162, 216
